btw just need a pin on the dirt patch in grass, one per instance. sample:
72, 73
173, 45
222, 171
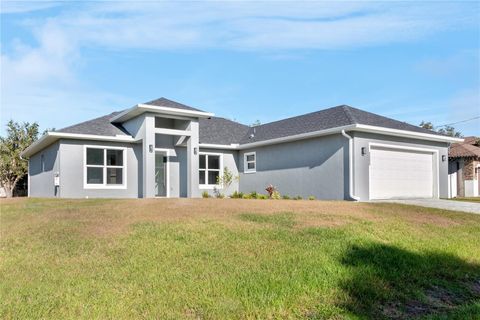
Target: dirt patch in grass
109, 217
233, 259
302, 213
417, 215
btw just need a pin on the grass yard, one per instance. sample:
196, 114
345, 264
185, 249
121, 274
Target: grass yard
468, 199
236, 259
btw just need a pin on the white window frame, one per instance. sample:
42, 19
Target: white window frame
245, 162
104, 185
220, 174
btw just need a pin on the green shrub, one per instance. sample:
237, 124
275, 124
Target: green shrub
285, 197
205, 194
262, 196
247, 196
219, 195
275, 195
236, 195
312, 198
298, 198
253, 194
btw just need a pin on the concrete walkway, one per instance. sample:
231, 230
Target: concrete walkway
464, 206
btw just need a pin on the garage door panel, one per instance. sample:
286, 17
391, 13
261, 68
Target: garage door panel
397, 173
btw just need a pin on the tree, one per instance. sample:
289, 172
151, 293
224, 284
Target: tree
12, 167
446, 129
450, 131
426, 125
256, 123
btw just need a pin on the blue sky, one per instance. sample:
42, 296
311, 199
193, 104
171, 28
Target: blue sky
64, 62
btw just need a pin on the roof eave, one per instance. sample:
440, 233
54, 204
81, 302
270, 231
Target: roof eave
52, 137
353, 127
142, 108
296, 137
406, 133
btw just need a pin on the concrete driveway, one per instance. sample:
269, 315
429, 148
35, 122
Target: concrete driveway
470, 207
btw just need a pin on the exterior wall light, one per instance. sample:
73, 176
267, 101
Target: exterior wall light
150, 148
444, 158
195, 150
364, 151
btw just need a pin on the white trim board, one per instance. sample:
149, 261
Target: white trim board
352, 127
52, 136
142, 108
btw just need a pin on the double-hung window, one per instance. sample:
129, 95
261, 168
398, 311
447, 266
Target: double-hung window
209, 169
250, 162
105, 167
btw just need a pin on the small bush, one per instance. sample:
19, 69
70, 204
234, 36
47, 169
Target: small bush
312, 198
236, 195
262, 196
285, 197
298, 198
253, 195
219, 195
205, 194
247, 196
275, 195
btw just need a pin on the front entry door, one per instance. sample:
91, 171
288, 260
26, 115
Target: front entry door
160, 175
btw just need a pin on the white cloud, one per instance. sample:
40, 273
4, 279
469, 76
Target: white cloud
44, 72
254, 26
11, 7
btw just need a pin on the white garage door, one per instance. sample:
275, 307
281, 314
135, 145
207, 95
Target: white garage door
398, 173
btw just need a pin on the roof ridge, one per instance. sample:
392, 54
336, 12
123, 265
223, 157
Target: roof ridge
348, 113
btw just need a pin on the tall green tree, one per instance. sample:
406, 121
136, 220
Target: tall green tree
446, 130
12, 167
450, 131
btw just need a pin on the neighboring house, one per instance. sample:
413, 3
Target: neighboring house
166, 149
464, 168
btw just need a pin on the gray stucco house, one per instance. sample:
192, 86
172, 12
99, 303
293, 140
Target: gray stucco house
166, 149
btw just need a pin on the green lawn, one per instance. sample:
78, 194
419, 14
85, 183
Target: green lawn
468, 199
236, 259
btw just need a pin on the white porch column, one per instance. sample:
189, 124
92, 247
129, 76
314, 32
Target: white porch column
148, 145
192, 161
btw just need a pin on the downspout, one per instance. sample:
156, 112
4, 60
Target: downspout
350, 167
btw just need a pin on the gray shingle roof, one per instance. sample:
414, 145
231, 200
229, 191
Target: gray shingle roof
363, 117
221, 131
217, 130
324, 119
98, 126
164, 102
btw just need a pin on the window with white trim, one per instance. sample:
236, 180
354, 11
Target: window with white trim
250, 162
209, 169
104, 167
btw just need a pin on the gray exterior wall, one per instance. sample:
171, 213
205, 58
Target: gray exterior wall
41, 180
72, 171
361, 163
317, 167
